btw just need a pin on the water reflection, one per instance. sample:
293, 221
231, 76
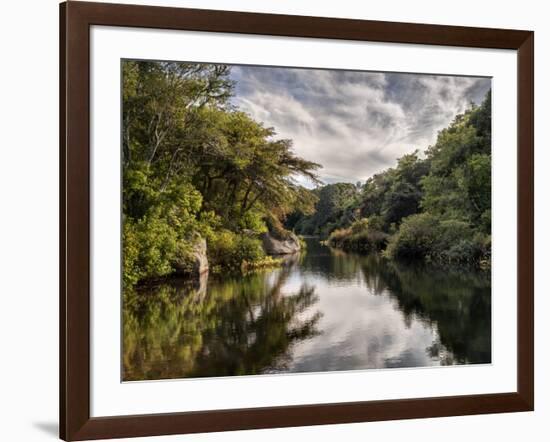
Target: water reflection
238, 326
324, 310
457, 304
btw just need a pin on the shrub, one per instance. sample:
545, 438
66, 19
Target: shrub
130, 270
376, 223
360, 237
228, 251
361, 226
358, 242
424, 236
161, 234
483, 243
249, 249
252, 221
415, 237
149, 249
337, 237
463, 251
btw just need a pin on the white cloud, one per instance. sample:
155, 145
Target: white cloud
354, 123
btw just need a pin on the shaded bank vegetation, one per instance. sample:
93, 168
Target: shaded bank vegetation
435, 207
197, 169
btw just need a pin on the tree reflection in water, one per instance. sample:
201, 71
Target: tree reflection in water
457, 303
243, 326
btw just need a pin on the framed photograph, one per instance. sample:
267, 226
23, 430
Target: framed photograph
272, 221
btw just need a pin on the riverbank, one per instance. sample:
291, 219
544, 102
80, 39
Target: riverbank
226, 253
421, 238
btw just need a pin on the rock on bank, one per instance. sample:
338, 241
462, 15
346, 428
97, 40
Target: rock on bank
275, 246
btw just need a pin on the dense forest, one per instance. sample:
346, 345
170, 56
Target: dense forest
196, 170
199, 174
434, 207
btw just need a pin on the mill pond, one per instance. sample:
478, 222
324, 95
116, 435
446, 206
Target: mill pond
322, 310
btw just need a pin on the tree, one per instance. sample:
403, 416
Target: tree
334, 206
458, 185
438, 207
183, 141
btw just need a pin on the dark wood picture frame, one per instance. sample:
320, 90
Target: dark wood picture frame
75, 21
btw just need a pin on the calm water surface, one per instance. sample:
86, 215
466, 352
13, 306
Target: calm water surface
324, 310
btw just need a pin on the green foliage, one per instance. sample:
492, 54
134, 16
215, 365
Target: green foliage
360, 226
415, 238
390, 196
333, 209
228, 250
395, 193
163, 234
436, 208
362, 237
193, 164
426, 237
459, 183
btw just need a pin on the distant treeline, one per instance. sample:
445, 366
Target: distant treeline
435, 207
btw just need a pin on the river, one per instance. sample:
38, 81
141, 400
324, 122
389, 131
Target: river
323, 310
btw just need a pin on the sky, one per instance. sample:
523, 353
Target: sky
354, 124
